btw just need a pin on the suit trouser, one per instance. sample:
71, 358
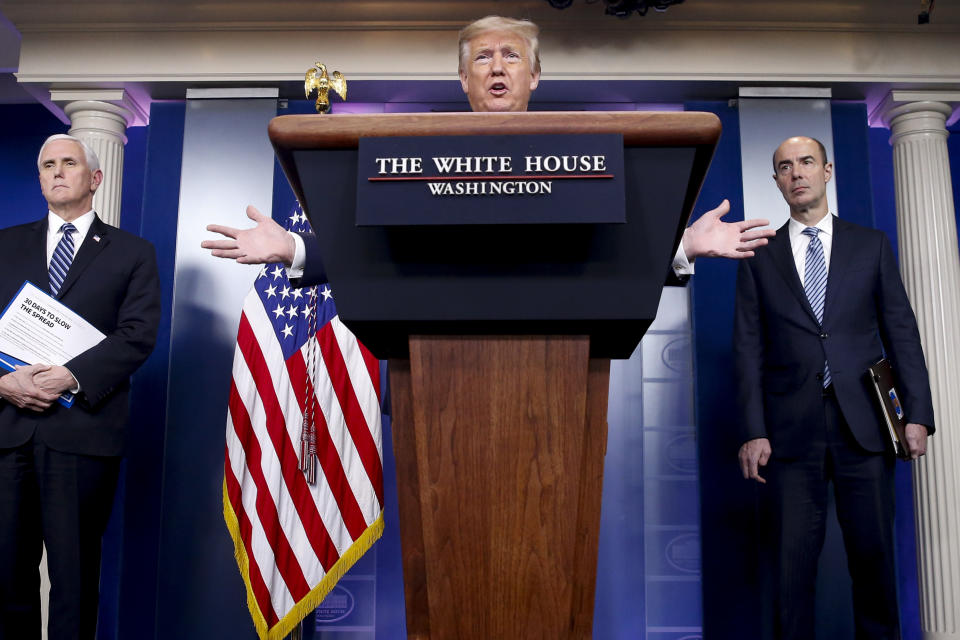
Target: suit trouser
863, 484
64, 501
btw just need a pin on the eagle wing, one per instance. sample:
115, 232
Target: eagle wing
311, 81
339, 84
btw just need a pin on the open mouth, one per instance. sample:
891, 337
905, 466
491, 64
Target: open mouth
498, 89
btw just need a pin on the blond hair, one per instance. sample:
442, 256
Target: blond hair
523, 28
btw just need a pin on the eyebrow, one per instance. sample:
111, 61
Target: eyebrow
802, 158
64, 158
490, 48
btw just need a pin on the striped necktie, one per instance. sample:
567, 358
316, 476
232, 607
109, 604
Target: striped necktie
62, 257
815, 283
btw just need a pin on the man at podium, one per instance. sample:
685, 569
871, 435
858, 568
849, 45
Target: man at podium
545, 385
499, 70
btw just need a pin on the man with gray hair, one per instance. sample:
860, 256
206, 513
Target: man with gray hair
59, 464
499, 69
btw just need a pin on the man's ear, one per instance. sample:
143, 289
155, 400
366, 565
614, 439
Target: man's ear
828, 171
463, 80
534, 80
96, 179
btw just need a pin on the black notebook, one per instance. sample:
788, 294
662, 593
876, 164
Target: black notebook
884, 384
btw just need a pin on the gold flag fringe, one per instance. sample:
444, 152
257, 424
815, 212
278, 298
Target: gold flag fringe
310, 601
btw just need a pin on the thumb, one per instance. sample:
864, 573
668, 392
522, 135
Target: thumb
254, 214
723, 208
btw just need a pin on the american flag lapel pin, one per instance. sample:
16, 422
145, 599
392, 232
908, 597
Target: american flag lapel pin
96, 238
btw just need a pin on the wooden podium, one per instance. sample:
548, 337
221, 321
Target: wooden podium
499, 339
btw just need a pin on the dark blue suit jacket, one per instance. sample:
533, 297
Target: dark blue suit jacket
113, 284
779, 346
314, 271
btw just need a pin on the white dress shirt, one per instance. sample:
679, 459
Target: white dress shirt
799, 242
295, 270
53, 239
54, 235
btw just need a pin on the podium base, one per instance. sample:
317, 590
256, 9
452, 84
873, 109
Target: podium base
499, 443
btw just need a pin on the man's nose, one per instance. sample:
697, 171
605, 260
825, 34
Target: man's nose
496, 64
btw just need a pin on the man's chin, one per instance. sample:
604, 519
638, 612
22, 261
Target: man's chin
497, 105
503, 105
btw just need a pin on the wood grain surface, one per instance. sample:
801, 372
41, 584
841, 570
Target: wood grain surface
639, 128
499, 444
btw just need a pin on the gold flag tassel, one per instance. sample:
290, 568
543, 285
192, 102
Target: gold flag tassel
308, 432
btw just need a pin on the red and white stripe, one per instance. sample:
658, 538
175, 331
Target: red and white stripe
293, 533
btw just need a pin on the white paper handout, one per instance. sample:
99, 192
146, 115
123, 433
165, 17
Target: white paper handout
36, 328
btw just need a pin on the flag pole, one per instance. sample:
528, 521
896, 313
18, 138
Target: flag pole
297, 632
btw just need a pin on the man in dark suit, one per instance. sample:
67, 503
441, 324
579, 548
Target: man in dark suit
58, 465
816, 307
499, 70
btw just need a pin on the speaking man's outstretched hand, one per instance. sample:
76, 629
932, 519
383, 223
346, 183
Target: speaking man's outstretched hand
710, 236
265, 243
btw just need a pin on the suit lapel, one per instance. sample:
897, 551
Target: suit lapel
96, 241
783, 258
841, 253
37, 271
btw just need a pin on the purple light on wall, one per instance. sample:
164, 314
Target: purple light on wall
663, 106
356, 107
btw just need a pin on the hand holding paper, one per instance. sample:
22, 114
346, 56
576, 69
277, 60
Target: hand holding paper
38, 329
20, 388
55, 379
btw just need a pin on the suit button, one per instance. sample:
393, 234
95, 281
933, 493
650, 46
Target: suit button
824, 336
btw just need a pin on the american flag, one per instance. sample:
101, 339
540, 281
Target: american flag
294, 539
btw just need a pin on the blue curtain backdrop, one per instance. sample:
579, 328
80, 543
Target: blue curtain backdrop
731, 549
141, 515
23, 128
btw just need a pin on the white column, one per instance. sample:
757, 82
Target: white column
100, 118
103, 126
929, 264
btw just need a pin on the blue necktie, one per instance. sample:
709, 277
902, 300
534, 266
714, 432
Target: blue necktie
815, 283
62, 257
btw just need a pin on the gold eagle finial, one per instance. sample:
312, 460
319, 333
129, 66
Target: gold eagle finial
318, 79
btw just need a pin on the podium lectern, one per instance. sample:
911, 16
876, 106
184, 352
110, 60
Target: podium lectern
499, 339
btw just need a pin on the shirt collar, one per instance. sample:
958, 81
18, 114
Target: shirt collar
82, 223
825, 226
